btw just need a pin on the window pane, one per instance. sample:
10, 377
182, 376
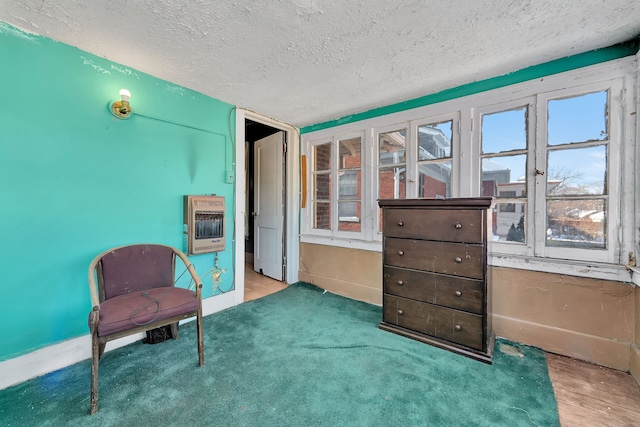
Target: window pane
348, 185
506, 173
578, 119
434, 141
322, 216
579, 171
509, 222
504, 131
392, 147
577, 223
322, 187
349, 216
391, 183
349, 150
322, 156
434, 180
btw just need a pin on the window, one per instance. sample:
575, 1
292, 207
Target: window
391, 165
504, 151
555, 154
336, 186
579, 218
576, 193
321, 196
558, 151
434, 159
392, 171
349, 183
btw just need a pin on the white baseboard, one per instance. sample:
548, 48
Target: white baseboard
58, 356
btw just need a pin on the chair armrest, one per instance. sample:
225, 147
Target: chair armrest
192, 271
93, 287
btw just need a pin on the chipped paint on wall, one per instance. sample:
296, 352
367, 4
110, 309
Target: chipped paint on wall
179, 90
124, 70
15, 32
95, 66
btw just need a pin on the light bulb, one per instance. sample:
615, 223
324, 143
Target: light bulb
125, 94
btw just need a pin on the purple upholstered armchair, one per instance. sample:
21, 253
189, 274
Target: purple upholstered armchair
135, 292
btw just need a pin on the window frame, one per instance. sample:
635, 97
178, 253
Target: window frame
615, 144
454, 117
375, 166
529, 103
307, 224
334, 232
335, 202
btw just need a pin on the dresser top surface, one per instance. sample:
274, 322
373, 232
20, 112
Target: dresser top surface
464, 202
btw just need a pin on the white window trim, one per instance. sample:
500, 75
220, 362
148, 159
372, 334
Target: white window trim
602, 75
307, 214
614, 142
364, 207
374, 162
529, 103
454, 117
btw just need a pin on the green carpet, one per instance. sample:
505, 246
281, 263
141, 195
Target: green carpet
300, 357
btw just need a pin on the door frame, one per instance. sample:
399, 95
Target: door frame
291, 197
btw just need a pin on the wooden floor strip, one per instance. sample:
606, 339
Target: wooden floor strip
592, 395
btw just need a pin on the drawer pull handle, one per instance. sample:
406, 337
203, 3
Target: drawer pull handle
457, 328
400, 312
458, 293
458, 259
458, 226
400, 223
400, 253
400, 283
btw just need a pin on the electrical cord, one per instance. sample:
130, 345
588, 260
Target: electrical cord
137, 310
215, 273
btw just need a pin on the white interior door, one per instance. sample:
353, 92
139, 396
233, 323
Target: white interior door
268, 208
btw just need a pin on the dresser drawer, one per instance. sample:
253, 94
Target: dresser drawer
449, 291
445, 323
450, 225
457, 259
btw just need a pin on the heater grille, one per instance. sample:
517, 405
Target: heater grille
209, 225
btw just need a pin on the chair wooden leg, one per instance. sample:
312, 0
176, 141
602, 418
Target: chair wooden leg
95, 362
101, 350
200, 338
174, 330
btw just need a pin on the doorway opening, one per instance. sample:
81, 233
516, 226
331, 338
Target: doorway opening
267, 170
256, 134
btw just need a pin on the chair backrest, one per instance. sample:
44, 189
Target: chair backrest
135, 268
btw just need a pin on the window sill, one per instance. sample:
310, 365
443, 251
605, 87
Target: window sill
342, 242
594, 270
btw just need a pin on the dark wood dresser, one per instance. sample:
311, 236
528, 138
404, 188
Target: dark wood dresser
435, 273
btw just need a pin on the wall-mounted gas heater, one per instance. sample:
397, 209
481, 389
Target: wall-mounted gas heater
204, 224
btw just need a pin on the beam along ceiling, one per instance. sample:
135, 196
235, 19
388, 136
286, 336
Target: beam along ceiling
309, 61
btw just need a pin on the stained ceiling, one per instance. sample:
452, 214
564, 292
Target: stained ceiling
309, 61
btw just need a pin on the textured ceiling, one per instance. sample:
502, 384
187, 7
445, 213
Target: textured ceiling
308, 61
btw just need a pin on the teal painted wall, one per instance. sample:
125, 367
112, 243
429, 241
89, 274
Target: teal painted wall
74, 180
537, 71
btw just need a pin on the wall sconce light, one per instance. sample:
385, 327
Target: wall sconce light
122, 109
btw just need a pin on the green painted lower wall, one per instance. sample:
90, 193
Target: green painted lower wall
74, 180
